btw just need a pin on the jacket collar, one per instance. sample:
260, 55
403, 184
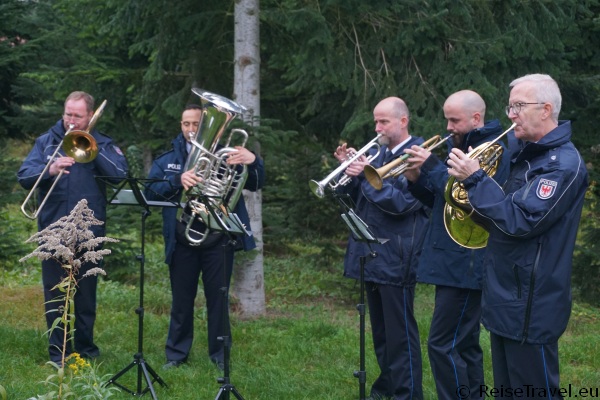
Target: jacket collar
556, 137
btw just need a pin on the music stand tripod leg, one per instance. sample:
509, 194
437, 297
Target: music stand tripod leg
361, 374
226, 387
144, 370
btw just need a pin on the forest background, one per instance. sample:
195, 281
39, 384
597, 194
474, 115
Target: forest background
323, 67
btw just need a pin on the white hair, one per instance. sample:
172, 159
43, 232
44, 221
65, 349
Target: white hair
546, 90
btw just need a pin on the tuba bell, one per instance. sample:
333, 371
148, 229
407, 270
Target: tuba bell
457, 210
221, 184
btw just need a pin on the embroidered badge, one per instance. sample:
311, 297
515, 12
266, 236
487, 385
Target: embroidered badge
118, 150
546, 189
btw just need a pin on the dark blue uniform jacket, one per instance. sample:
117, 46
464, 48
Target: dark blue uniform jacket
169, 166
391, 213
443, 261
79, 183
533, 223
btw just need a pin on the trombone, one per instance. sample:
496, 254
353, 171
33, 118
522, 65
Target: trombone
77, 144
318, 187
397, 167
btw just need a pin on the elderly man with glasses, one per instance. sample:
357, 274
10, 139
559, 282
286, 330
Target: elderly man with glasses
532, 220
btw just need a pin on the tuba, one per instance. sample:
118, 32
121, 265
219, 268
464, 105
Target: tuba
210, 200
457, 210
80, 145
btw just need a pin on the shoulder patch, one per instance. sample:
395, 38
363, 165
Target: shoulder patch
546, 189
165, 153
118, 150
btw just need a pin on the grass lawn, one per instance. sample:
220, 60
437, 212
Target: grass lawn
306, 347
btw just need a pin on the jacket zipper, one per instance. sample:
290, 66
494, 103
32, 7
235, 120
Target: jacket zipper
530, 297
412, 246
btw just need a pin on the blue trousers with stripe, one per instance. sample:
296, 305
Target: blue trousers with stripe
530, 371
396, 341
455, 354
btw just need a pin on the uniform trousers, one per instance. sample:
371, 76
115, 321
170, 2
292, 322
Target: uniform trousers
396, 341
187, 265
525, 371
85, 311
454, 351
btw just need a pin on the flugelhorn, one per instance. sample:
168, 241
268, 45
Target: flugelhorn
318, 187
457, 211
77, 144
397, 167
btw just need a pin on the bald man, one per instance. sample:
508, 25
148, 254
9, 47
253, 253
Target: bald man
393, 213
454, 352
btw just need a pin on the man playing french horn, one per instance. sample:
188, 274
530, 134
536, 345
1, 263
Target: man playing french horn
533, 221
454, 351
390, 278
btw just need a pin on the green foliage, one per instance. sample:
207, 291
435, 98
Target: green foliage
324, 65
586, 261
307, 346
14, 230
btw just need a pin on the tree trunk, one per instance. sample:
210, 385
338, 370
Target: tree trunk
248, 284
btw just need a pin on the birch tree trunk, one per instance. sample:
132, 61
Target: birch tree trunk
248, 283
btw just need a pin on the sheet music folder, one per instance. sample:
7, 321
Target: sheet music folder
360, 230
129, 192
127, 196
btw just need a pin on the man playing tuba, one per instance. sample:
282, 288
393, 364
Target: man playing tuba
186, 261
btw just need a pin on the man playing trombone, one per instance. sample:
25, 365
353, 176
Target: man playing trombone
454, 352
390, 278
63, 182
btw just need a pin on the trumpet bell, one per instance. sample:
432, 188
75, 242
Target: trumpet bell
81, 146
317, 188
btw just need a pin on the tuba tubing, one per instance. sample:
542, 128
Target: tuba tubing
397, 167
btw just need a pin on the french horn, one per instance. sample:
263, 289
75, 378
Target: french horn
458, 210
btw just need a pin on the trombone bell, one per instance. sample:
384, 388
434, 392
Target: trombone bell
81, 146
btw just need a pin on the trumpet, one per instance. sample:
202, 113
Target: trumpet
80, 145
397, 167
318, 187
457, 210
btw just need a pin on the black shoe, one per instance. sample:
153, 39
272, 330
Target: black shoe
219, 364
173, 364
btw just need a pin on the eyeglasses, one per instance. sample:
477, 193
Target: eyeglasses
516, 107
75, 117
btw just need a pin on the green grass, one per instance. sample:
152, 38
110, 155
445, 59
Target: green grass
306, 347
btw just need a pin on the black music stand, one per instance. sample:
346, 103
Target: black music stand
128, 192
230, 224
361, 233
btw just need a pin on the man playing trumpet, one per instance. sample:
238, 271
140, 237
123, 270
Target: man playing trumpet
390, 278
